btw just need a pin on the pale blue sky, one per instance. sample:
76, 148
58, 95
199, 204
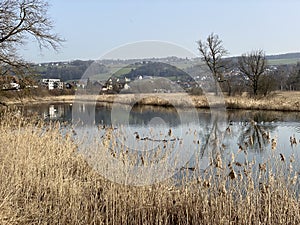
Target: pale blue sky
94, 27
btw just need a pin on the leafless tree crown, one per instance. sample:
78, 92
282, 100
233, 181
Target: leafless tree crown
212, 51
19, 20
253, 65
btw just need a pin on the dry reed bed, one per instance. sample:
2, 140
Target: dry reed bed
279, 101
45, 181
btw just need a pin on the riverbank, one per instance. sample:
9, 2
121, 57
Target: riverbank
279, 101
45, 180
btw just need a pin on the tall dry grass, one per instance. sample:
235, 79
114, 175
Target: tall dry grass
45, 181
279, 101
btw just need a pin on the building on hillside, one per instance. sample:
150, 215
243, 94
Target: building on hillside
8, 82
126, 87
68, 85
52, 83
11, 86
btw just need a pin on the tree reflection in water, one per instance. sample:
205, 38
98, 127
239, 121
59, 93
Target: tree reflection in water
249, 129
254, 132
212, 137
255, 136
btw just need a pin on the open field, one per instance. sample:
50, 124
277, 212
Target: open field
44, 180
280, 101
277, 62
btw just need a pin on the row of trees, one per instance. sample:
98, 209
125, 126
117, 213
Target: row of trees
252, 65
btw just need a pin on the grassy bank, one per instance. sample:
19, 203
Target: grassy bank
280, 101
45, 181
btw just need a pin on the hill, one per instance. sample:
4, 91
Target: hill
74, 70
153, 69
295, 55
284, 59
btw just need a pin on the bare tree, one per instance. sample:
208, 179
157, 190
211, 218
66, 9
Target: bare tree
293, 80
20, 20
253, 65
212, 51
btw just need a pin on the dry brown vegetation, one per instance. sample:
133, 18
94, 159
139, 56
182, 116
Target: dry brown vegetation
45, 181
280, 101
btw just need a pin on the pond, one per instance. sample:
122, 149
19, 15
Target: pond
249, 135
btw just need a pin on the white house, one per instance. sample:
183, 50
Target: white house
11, 86
15, 85
53, 83
127, 79
126, 87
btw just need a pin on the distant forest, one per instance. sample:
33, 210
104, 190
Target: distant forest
66, 71
295, 55
155, 69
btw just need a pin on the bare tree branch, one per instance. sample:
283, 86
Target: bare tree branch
20, 20
253, 65
212, 51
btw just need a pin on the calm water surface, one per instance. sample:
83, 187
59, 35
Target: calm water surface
248, 134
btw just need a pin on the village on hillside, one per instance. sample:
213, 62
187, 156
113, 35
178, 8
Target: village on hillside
113, 76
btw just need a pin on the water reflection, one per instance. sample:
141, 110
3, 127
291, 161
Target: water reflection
140, 116
212, 135
247, 130
255, 135
153, 133
61, 112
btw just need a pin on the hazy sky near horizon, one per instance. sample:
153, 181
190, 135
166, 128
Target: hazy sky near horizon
92, 28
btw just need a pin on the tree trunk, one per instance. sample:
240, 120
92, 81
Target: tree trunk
255, 87
216, 87
229, 87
